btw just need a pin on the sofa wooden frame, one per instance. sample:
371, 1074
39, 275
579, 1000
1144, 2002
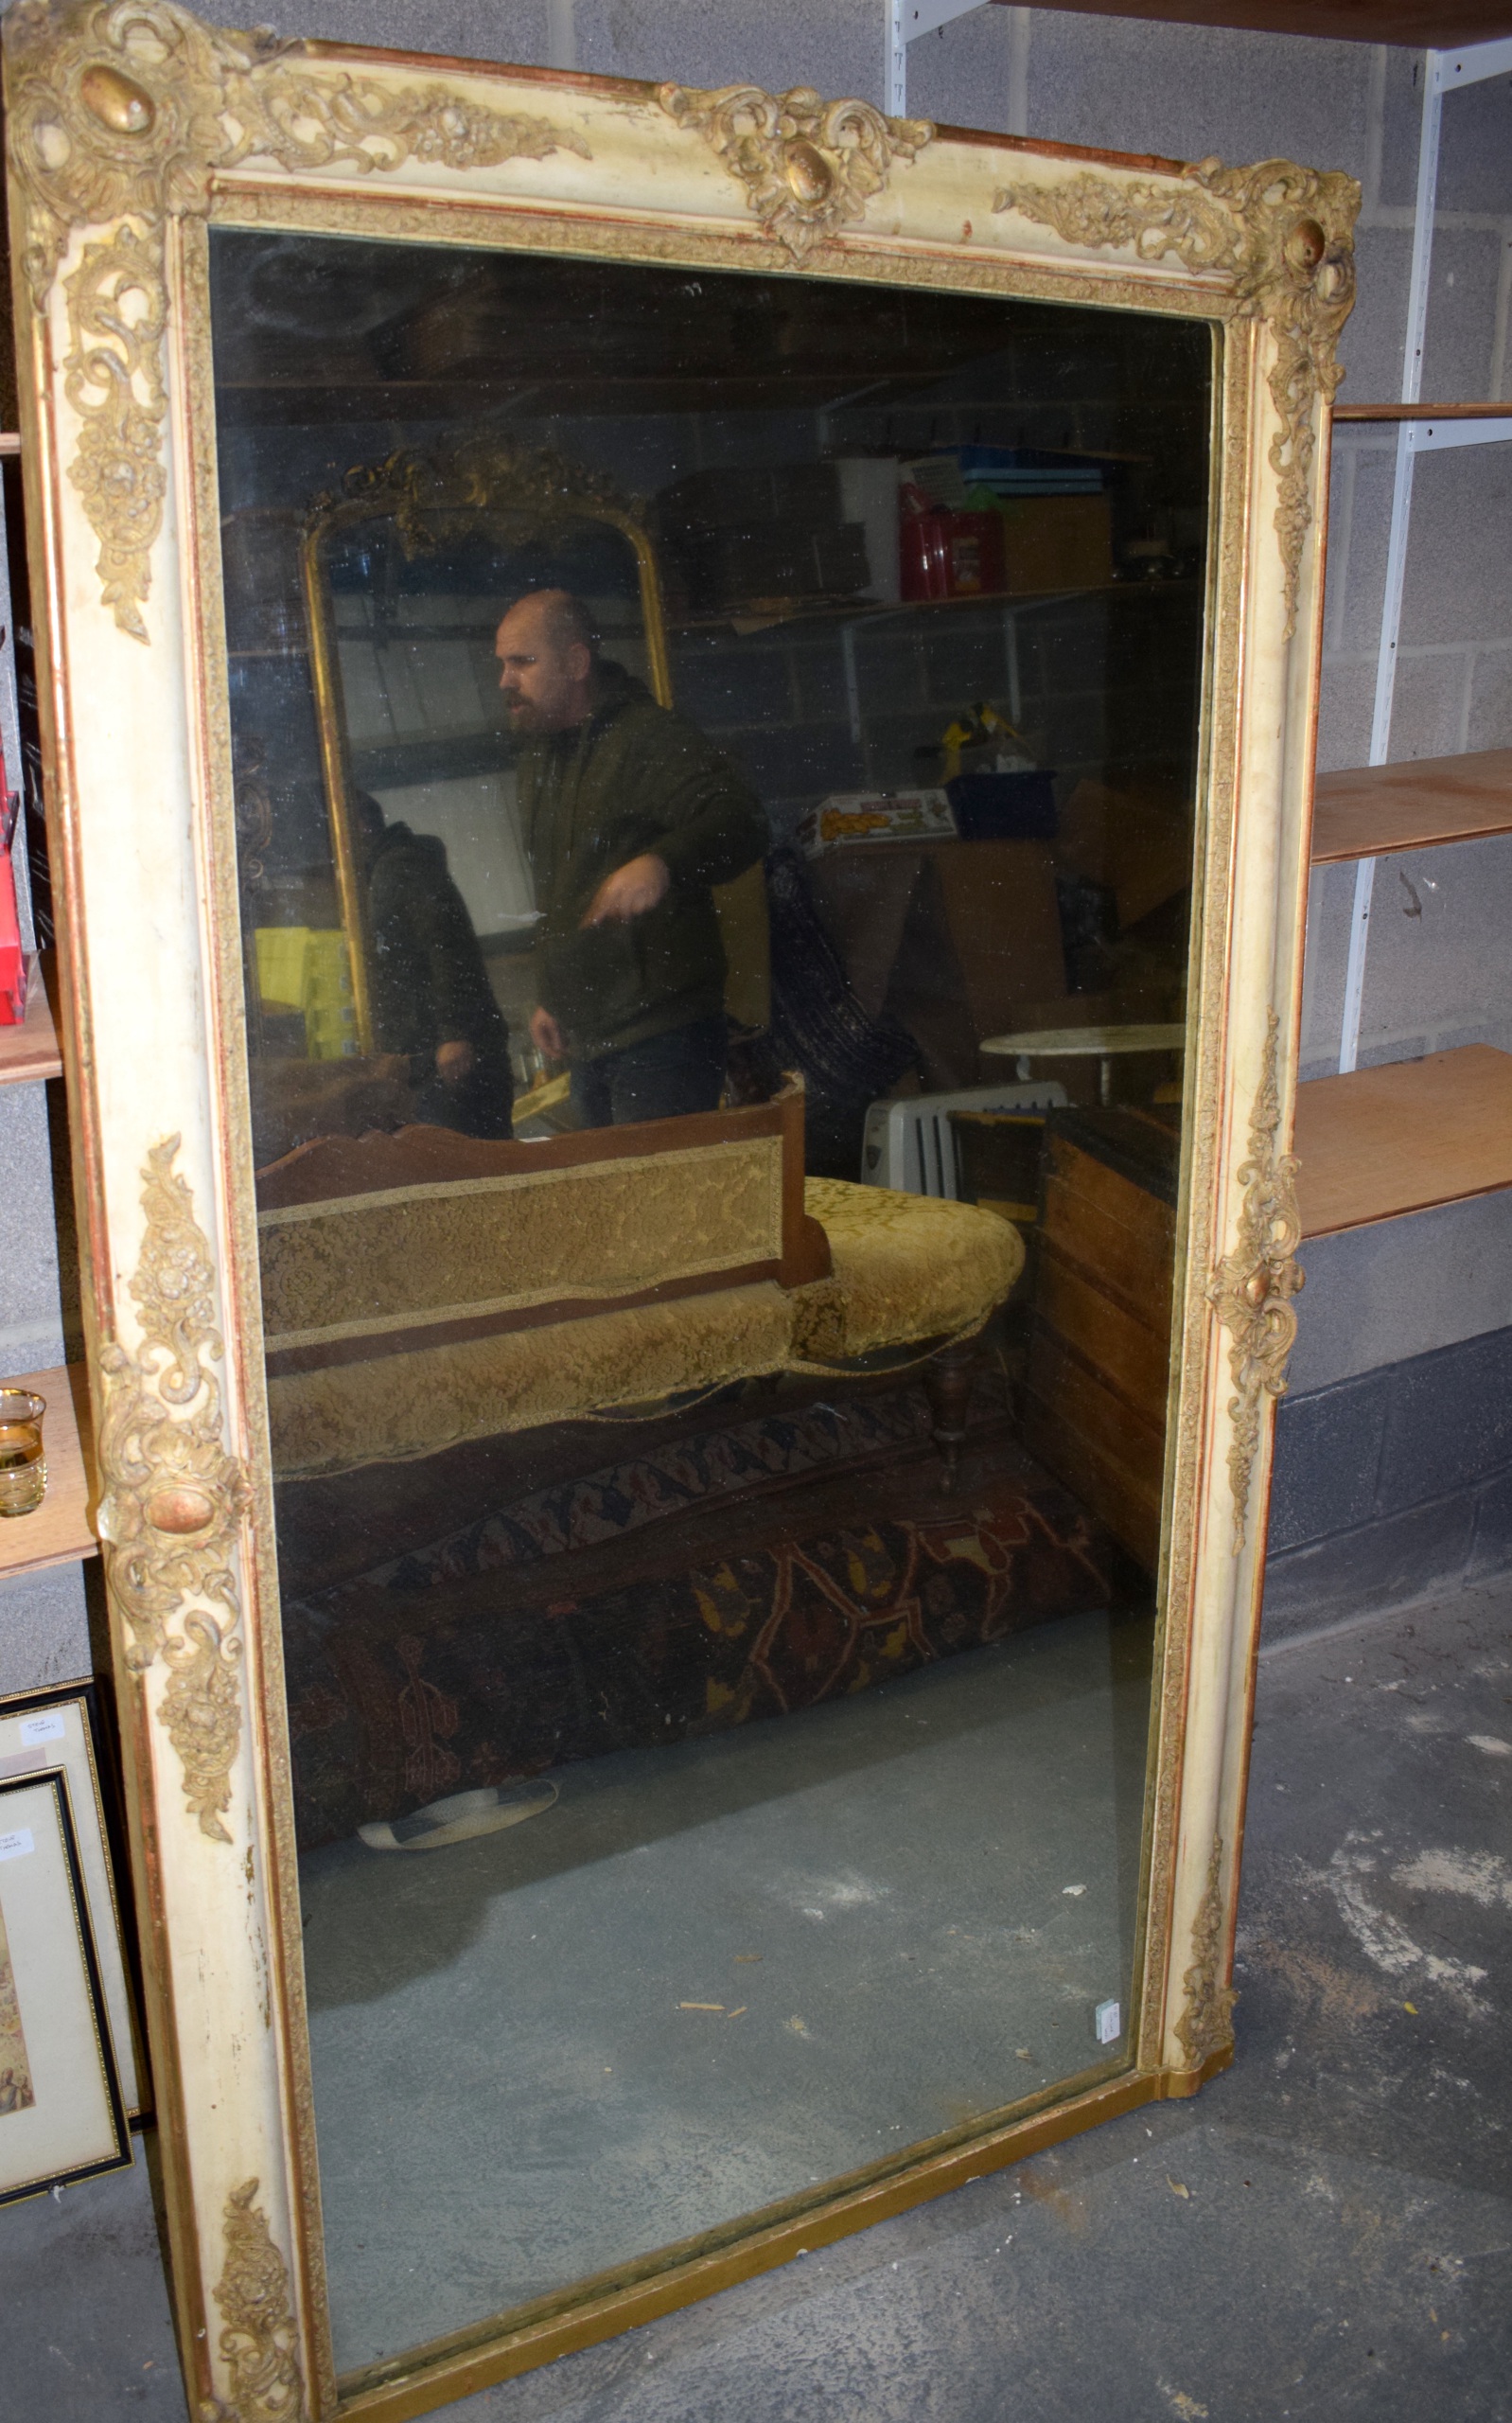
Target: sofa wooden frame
132, 127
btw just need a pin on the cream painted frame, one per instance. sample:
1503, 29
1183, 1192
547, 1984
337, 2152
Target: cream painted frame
130, 126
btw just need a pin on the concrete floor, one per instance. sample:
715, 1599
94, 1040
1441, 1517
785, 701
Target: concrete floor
1325, 2233
898, 1889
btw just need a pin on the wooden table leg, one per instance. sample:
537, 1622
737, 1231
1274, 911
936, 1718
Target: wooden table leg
948, 1376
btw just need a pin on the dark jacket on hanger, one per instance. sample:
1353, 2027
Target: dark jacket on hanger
429, 985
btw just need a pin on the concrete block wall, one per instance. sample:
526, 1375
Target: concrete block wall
1125, 84
31, 1296
1391, 1485
1439, 916
781, 711
1394, 1448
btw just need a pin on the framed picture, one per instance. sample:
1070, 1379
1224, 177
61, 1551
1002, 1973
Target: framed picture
60, 1728
684, 1417
62, 2117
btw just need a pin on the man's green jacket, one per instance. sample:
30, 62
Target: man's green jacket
634, 778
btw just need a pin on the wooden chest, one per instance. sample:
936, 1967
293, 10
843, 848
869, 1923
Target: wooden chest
1094, 1393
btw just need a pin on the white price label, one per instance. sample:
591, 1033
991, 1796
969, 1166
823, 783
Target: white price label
1109, 2018
18, 1843
48, 1726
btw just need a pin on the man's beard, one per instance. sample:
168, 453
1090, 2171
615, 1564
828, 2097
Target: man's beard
537, 718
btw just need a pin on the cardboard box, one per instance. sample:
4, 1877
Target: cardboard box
1139, 842
952, 938
1056, 543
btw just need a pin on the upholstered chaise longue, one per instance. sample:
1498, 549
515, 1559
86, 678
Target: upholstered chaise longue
422, 1289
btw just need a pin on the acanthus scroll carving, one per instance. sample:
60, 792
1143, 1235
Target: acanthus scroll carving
1285, 237
1254, 1286
258, 2343
809, 166
439, 496
125, 110
1206, 2025
174, 1499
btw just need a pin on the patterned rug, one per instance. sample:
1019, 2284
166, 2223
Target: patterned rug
680, 1475
704, 1582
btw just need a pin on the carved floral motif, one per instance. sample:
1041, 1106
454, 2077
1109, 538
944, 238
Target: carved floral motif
257, 2343
1254, 1286
125, 110
113, 376
1285, 237
436, 498
1205, 2026
173, 1498
809, 166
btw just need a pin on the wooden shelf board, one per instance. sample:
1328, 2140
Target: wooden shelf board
62, 1530
1403, 1137
1415, 24
30, 1053
746, 619
1421, 412
1368, 812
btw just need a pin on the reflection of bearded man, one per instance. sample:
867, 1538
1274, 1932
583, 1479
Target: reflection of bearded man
629, 818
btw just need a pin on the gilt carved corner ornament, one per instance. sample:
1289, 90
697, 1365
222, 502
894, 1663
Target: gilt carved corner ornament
1253, 1286
809, 166
437, 497
174, 1500
1283, 236
1206, 2025
258, 2341
125, 110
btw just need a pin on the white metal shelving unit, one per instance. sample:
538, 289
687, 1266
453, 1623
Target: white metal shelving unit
1418, 433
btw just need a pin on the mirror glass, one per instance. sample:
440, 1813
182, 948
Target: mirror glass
716, 780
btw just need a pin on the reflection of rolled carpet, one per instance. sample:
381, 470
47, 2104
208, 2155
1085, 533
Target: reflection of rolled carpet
819, 1027
720, 1577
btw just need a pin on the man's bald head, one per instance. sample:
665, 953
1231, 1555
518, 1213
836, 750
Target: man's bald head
547, 646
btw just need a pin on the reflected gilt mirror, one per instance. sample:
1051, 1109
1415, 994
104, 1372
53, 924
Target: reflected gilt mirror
694, 1242
399, 578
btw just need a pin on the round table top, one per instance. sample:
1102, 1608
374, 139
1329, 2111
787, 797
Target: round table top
1064, 1043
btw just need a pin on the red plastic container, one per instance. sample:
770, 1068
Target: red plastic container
951, 555
13, 958
923, 556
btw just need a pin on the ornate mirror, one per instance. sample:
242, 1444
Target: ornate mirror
681, 1068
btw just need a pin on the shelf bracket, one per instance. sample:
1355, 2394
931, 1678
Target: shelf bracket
1354, 973
1443, 71
561, 33
1449, 71
1432, 437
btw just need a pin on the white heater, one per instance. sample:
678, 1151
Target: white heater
909, 1145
